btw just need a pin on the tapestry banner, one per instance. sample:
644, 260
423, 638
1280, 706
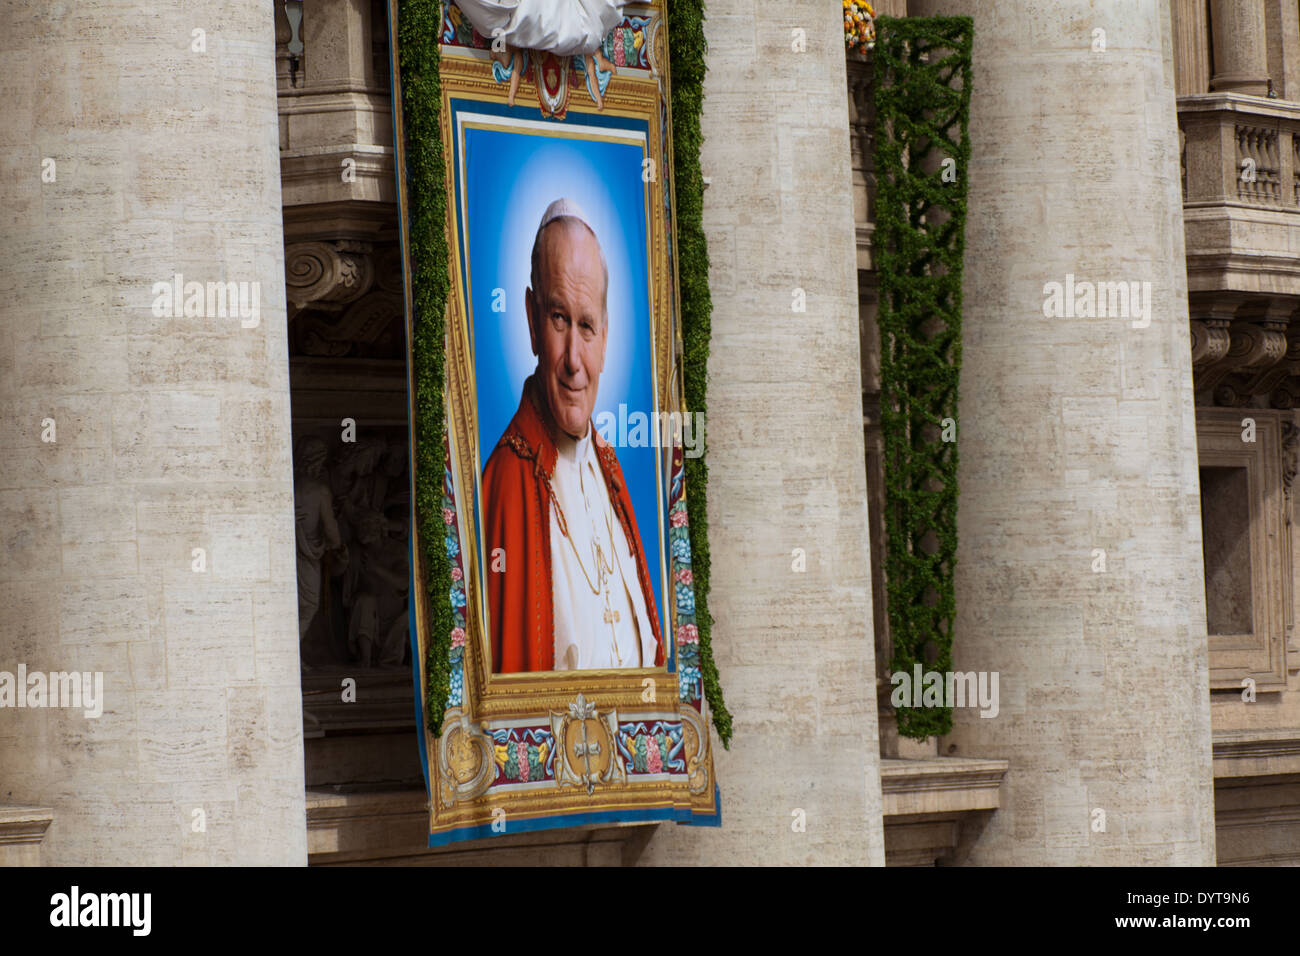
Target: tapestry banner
570, 668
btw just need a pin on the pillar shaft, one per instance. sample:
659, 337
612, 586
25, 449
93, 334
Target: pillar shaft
791, 593
1240, 47
1191, 47
1079, 578
146, 489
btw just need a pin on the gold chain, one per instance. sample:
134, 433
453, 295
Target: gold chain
603, 567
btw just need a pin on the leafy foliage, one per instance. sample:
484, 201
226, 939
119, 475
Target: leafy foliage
419, 27
687, 48
922, 82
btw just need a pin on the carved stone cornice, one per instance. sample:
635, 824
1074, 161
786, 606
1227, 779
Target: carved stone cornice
940, 785
1256, 345
327, 275
1209, 341
1254, 349
22, 829
1211, 324
1241, 345
22, 825
1246, 348
1250, 753
363, 326
1275, 320
936, 806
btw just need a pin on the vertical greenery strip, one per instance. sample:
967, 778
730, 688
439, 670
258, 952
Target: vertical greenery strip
419, 27
687, 49
922, 74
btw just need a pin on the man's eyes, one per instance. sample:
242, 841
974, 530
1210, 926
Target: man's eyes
561, 321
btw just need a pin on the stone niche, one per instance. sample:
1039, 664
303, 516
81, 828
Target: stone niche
344, 297
1225, 526
352, 580
1246, 458
352, 507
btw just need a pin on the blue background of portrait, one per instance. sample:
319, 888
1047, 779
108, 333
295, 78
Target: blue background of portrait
511, 177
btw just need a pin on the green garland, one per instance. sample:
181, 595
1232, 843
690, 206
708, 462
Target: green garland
419, 29
922, 81
687, 48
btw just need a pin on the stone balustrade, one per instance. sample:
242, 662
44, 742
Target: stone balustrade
1240, 149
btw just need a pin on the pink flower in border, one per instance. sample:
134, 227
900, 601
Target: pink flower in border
678, 518
448, 516
685, 576
653, 762
457, 637
688, 634
620, 53
457, 574
521, 754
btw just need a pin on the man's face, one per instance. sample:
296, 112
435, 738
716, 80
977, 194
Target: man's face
567, 323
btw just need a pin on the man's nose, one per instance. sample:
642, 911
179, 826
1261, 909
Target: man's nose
572, 350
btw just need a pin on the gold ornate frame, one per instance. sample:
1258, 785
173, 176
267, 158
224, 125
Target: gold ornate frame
583, 710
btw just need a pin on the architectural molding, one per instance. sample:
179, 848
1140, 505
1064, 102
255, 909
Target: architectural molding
22, 829
327, 275
1256, 753
391, 827
932, 803
1257, 815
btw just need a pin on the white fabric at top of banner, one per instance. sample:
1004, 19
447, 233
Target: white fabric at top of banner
563, 27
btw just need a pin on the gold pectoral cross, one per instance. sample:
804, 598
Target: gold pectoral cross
604, 570
611, 618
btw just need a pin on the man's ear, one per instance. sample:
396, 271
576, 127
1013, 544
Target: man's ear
530, 308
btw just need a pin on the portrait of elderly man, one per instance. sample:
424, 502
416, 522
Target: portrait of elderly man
569, 587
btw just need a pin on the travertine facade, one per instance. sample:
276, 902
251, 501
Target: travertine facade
171, 434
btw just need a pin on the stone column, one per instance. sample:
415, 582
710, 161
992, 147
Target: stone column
146, 497
787, 486
1240, 47
1191, 47
1282, 23
1078, 445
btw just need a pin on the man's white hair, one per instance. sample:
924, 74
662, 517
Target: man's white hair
569, 212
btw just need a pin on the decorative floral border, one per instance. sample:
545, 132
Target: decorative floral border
523, 755
527, 754
456, 657
687, 635
654, 746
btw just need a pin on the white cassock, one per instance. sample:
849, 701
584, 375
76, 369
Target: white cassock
564, 27
588, 586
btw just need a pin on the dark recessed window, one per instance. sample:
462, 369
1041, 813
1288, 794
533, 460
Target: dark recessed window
1225, 530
